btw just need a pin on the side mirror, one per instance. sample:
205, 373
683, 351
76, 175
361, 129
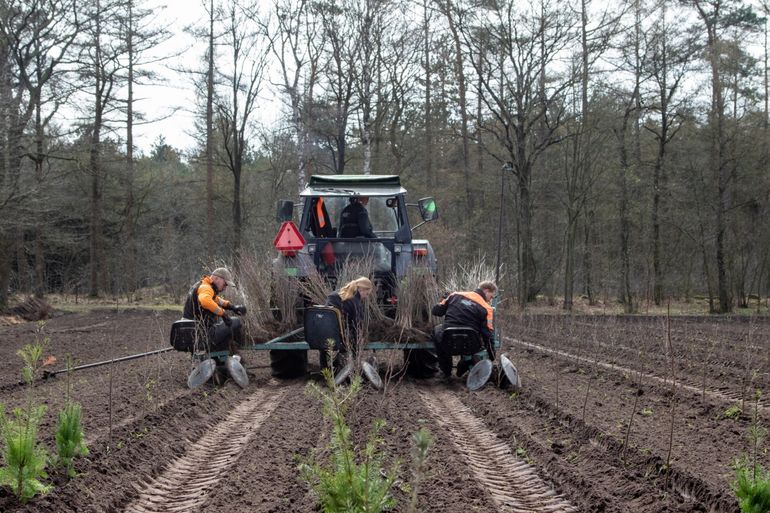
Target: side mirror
428, 209
285, 211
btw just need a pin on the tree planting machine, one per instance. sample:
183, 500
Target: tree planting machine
314, 247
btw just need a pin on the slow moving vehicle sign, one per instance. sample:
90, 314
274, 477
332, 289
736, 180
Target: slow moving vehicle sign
289, 238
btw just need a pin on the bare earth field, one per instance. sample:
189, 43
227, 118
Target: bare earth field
559, 445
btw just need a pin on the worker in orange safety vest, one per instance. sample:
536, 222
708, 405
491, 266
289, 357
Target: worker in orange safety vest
467, 310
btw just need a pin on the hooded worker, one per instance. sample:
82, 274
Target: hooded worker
354, 220
465, 310
204, 305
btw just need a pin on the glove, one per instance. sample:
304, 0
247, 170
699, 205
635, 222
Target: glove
227, 320
239, 309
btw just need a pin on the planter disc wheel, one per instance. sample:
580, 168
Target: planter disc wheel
236, 371
201, 373
370, 371
479, 375
510, 372
343, 374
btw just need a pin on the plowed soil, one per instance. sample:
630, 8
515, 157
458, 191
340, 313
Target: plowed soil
558, 445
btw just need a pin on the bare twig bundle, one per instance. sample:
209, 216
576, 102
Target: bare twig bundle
315, 288
254, 279
417, 293
286, 297
468, 276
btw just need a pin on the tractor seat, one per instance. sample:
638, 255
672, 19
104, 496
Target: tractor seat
323, 324
461, 340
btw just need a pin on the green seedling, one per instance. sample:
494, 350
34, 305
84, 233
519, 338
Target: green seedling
352, 480
70, 441
25, 459
733, 412
751, 487
647, 412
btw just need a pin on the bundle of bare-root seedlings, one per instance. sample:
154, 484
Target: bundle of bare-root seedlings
275, 297
265, 291
467, 276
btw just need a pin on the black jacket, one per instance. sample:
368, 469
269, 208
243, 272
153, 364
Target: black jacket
352, 314
354, 222
466, 309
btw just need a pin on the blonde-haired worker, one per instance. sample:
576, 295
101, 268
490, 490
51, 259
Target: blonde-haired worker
349, 301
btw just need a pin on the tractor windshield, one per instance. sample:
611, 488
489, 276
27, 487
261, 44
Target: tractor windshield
384, 218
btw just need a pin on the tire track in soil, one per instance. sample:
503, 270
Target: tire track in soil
266, 478
186, 482
513, 485
724, 397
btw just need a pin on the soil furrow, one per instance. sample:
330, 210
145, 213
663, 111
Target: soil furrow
724, 397
513, 485
200, 468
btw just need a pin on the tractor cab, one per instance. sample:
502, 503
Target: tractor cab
388, 248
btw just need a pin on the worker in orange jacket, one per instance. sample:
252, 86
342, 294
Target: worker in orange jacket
204, 305
467, 310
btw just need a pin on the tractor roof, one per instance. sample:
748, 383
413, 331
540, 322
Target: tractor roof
353, 185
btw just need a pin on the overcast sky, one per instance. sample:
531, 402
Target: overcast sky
174, 92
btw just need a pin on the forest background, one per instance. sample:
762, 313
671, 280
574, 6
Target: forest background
603, 152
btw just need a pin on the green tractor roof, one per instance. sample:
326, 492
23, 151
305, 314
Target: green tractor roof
353, 185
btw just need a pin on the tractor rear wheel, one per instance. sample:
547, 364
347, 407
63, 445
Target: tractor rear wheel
289, 363
420, 363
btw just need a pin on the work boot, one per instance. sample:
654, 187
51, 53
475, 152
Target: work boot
463, 366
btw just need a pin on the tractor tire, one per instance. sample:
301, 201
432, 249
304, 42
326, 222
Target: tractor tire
420, 363
288, 364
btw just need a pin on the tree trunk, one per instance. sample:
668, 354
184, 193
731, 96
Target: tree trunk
428, 104
130, 249
210, 139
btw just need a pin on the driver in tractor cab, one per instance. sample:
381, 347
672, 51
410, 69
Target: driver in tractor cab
466, 310
204, 305
354, 220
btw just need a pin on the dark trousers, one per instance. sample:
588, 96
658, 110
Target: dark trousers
220, 335
444, 354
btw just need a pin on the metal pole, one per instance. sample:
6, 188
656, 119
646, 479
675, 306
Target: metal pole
48, 374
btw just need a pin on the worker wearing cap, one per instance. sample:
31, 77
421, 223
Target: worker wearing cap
464, 309
204, 305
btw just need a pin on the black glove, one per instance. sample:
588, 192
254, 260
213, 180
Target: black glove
227, 320
239, 309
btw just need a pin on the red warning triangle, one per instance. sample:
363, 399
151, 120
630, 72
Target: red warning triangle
288, 238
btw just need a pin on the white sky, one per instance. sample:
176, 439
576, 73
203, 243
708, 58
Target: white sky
173, 95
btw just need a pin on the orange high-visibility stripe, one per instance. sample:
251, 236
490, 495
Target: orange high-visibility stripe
476, 298
319, 213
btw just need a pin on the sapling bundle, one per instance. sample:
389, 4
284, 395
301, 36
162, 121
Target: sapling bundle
255, 282
417, 293
468, 276
315, 288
